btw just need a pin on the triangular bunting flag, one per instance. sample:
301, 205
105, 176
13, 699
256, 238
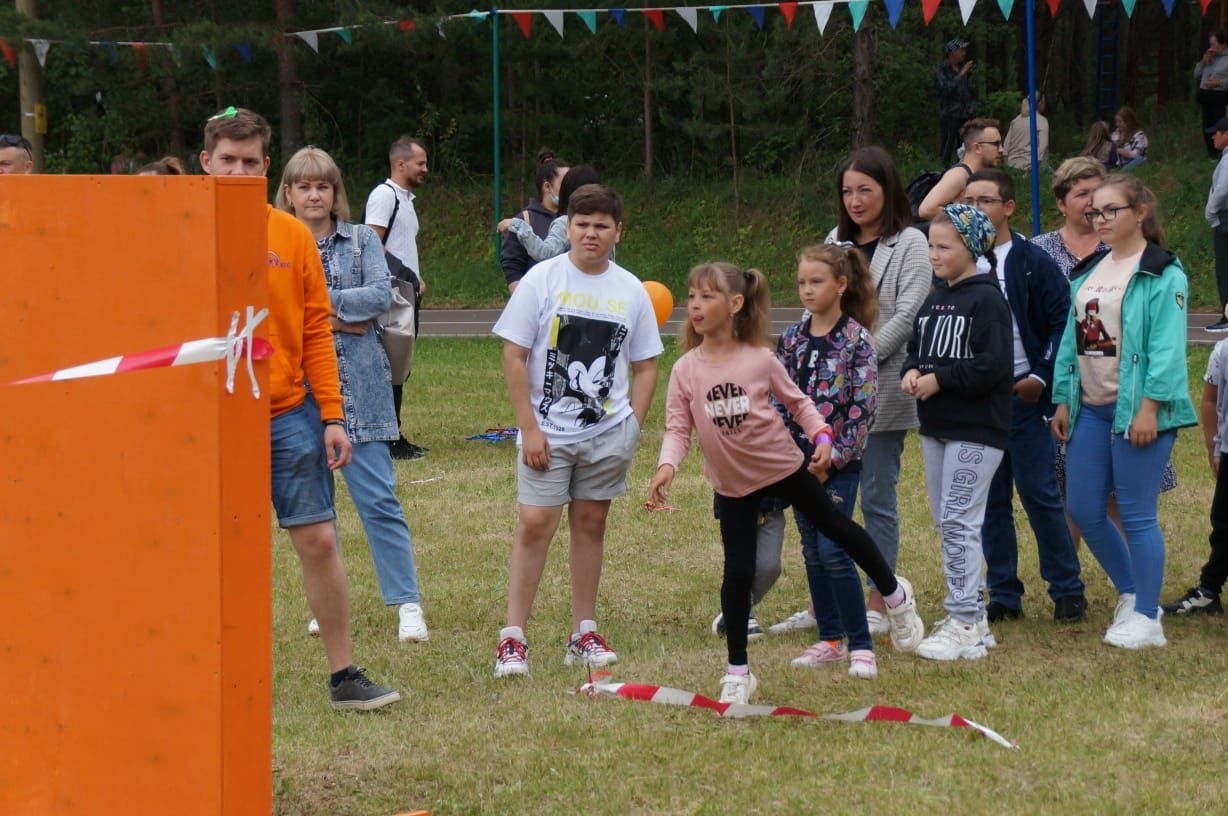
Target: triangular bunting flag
655, 17
479, 15
346, 34
822, 13
1053, 6
590, 19
928, 9
1128, 5
716, 12
618, 14
406, 25
690, 15
524, 19
311, 38
141, 50
1205, 4
439, 29
112, 49
1006, 6
857, 8
555, 18
894, 7
244, 50
1090, 5
1168, 7
756, 12
41, 47
965, 9
9, 56
209, 56
787, 10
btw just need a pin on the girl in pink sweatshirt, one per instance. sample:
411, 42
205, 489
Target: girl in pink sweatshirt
720, 389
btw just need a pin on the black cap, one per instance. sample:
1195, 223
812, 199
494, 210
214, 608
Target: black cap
955, 44
1219, 126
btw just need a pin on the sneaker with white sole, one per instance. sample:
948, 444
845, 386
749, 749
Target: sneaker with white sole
907, 630
753, 630
823, 653
863, 664
512, 656
313, 627
738, 688
878, 623
412, 626
1123, 610
1196, 601
797, 622
953, 640
587, 648
1136, 632
982, 627
356, 692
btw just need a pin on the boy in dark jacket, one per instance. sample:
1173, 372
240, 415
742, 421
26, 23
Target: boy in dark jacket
1039, 299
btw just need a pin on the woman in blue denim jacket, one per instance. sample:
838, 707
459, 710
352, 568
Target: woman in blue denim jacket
360, 289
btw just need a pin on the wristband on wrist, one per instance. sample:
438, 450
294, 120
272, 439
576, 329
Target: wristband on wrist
821, 437
340, 422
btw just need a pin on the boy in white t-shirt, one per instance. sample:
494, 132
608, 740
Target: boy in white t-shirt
574, 330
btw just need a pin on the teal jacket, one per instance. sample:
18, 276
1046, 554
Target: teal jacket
1151, 355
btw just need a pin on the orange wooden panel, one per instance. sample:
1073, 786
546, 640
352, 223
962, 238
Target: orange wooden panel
134, 524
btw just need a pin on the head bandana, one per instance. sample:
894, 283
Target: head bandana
974, 228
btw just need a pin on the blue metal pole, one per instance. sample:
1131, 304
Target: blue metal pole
1031, 14
495, 104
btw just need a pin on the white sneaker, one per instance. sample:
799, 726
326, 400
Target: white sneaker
878, 623
863, 664
1136, 632
1123, 610
797, 622
587, 648
953, 640
822, 654
512, 656
907, 630
313, 627
412, 628
982, 627
738, 688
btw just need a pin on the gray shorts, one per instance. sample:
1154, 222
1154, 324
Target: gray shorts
592, 470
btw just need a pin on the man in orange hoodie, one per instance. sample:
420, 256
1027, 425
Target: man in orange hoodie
308, 437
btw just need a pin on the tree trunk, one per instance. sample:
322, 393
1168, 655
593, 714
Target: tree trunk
170, 91
287, 83
863, 85
30, 89
733, 128
648, 158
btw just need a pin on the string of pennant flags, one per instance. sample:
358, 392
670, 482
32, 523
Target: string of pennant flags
589, 17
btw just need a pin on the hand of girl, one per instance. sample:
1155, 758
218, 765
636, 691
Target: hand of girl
504, 226
1142, 430
926, 386
908, 383
658, 488
535, 448
1061, 422
821, 461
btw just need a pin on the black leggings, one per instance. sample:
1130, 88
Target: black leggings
739, 518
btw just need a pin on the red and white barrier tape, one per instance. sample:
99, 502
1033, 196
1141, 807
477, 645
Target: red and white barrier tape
678, 697
234, 346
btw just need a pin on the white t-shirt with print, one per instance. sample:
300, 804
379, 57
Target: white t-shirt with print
583, 331
1098, 327
403, 238
1000, 251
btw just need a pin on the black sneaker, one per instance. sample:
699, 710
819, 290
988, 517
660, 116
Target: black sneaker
997, 612
1070, 609
753, 630
405, 450
1195, 601
1216, 328
357, 691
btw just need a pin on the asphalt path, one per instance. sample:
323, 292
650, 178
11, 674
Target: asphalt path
478, 323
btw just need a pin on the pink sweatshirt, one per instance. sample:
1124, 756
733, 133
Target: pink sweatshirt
745, 443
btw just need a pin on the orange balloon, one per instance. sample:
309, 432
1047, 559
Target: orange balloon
662, 301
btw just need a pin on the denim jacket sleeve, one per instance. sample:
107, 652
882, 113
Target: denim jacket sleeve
539, 249
1167, 377
373, 294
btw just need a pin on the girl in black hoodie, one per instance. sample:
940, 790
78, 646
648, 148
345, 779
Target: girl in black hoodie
959, 367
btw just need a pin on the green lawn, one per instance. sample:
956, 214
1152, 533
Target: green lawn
1100, 730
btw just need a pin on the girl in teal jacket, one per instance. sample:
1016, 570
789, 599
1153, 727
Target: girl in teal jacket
1121, 391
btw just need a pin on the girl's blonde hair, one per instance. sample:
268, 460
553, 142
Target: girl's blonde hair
1097, 136
313, 164
751, 323
1137, 195
860, 299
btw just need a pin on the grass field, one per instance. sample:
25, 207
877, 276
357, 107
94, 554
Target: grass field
1100, 730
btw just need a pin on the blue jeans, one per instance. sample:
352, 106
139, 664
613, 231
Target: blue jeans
835, 589
372, 482
301, 481
1098, 461
1028, 467
880, 476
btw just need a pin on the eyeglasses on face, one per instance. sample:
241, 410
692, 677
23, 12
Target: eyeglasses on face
1109, 214
997, 144
981, 201
13, 140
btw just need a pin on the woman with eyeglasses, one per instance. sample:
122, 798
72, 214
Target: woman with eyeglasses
1121, 391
